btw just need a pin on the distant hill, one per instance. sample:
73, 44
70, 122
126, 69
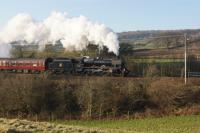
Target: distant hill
132, 36
145, 43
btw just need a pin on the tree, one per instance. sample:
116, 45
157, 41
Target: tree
24, 51
125, 49
16, 52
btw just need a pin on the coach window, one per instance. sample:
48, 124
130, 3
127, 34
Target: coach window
26, 63
60, 65
19, 63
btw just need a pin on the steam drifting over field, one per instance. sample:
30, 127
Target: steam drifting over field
75, 32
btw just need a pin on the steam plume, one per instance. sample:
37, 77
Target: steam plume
75, 32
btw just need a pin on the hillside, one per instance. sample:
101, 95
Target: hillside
134, 36
155, 44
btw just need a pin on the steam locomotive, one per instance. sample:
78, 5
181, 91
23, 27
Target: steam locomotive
81, 66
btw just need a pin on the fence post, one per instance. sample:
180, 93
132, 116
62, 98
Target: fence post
52, 117
7, 114
100, 112
128, 115
36, 118
107, 115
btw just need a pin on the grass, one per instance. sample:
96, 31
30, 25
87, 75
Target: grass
172, 124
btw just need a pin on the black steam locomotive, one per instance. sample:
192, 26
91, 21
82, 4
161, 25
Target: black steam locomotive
81, 66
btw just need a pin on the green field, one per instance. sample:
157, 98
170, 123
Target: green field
172, 124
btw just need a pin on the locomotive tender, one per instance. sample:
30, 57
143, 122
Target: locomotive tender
81, 66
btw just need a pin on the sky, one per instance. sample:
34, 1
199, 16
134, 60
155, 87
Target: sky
119, 15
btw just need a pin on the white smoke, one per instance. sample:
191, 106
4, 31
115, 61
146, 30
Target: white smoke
75, 32
4, 50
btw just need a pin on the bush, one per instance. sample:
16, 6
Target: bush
93, 97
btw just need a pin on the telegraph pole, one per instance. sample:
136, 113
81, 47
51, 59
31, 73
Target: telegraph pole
185, 36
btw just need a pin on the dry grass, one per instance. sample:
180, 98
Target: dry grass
24, 126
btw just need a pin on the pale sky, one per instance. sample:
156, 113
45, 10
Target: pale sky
119, 15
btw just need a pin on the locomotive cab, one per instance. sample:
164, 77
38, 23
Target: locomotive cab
61, 65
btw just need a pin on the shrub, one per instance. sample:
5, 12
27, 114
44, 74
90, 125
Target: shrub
95, 97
